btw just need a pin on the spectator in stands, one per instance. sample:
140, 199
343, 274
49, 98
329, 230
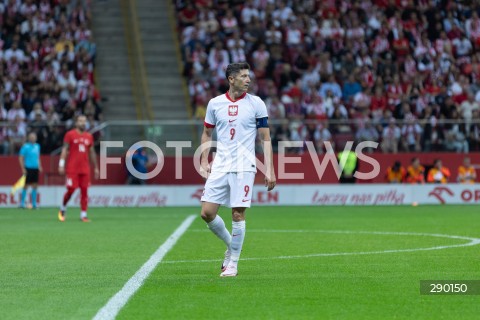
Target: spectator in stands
188, 15
325, 66
362, 101
411, 135
38, 125
367, 133
378, 103
249, 13
260, 61
395, 173
86, 43
253, 34
455, 134
273, 35
37, 112
64, 46
466, 172
415, 172
14, 52
276, 109
310, 79
330, 85
16, 112
438, 173
467, 107
339, 119
16, 133
229, 23
390, 137
322, 135
350, 88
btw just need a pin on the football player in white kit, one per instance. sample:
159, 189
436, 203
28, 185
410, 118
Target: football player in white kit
237, 116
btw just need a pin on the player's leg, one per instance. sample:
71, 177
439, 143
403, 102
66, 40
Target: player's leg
34, 186
241, 195
83, 183
238, 235
214, 194
28, 181
71, 184
34, 195
216, 224
24, 196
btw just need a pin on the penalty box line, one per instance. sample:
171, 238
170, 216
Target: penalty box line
120, 299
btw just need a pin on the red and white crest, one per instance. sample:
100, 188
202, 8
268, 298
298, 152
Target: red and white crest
233, 110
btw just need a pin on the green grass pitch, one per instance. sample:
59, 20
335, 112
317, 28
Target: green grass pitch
299, 263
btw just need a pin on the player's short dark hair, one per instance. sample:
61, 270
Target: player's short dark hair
234, 68
78, 116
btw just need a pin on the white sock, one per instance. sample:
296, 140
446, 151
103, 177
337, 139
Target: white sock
62, 207
83, 214
238, 234
217, 226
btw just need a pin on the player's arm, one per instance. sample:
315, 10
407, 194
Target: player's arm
63, 157
21, 160
93, 159
264, 134
205, 147
40, 167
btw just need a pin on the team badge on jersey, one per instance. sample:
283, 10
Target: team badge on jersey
233, 110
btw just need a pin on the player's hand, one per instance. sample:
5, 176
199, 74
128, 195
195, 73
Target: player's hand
270, 181
61, 170
97, 173
205, 170
24, 171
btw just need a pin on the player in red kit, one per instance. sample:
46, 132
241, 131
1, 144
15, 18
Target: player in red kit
76, 151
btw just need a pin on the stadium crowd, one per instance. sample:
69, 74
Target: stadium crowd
47, 58
404, 73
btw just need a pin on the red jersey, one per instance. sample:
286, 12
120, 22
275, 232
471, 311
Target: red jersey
78, 160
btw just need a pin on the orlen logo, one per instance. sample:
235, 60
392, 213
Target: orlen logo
265, 197
438, 193
468, 195
7, 199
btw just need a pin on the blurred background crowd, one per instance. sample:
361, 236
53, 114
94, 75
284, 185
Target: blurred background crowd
47, 59
403, 73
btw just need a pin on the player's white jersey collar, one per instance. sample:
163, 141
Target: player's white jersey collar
239, 98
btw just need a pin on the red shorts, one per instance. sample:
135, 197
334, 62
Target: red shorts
75, 180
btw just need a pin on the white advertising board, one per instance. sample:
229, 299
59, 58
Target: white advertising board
365, 194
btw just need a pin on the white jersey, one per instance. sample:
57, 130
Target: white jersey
236, 125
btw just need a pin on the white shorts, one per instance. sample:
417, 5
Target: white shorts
230, 189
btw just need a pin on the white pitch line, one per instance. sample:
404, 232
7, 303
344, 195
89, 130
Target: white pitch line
473, 242
116, 303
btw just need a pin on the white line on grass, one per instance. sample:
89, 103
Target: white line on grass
473, 242
116, 303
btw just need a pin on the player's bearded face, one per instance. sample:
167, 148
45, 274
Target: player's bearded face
81, 123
